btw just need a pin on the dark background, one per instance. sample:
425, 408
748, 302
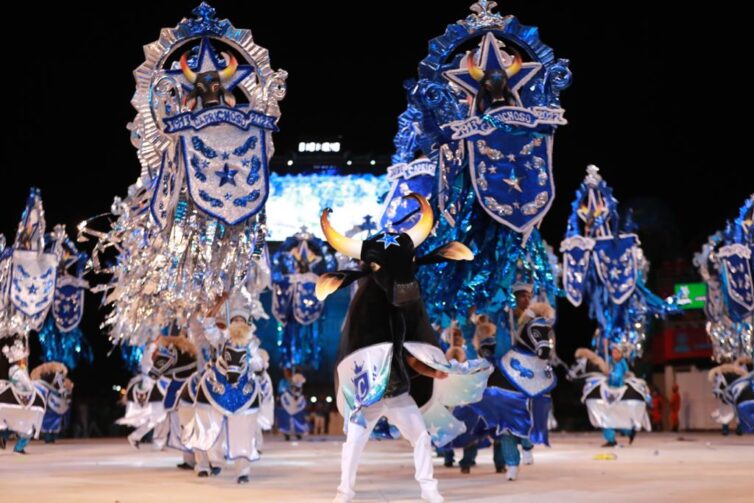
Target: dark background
659, 101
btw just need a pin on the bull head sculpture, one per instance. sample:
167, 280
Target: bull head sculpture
209, 85
391, 257
493, 84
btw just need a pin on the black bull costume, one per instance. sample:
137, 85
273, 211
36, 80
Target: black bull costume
389, 354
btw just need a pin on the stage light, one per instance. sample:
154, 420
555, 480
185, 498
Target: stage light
313, 399
328, 399
289, 163
116, 388
372, 162
349, 162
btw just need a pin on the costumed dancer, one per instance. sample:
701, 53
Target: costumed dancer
296, 265
389, 355
145, 401
193, 224
57, 388
493, 182
266, 418
61, 337
604, 264
22, 405
483, 342
725, 264
228, 399
493, 178
516, 404
292, 412
28, 277
175, 361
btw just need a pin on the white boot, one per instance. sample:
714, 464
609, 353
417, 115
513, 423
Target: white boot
341, 498
432, 496
511, 472
527, 457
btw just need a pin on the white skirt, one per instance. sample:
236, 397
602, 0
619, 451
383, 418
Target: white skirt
237, 434
25, 421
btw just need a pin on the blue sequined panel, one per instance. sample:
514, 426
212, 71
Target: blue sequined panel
171, 394
232, 399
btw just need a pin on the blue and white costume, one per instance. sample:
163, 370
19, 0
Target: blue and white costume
615, 399
22, 405
229, 395
292, 412
516, 404
51, 379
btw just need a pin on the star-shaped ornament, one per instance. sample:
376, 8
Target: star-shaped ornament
513, 181
388, 240
491, 56
227, 175
208, 60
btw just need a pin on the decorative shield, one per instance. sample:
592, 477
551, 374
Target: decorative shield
363, 377
615, 261
512, 176
226, 167
465, 384
33, 282
739, 290
441, 424
166, 189
306, 307
282, 295
510, 146
68, 303
576, 251
418, 176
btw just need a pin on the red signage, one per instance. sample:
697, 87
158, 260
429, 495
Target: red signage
681, 341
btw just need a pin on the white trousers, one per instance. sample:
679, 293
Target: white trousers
402, 412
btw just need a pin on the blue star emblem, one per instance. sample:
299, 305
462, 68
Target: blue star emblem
209, 60
225, 156
389, 239
492, 57
227, 175
33, 289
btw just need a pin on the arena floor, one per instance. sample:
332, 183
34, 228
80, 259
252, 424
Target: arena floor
659, 467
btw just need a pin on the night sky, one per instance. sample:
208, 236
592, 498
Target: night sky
657, 101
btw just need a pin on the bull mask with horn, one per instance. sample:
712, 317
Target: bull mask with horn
493, 83
390, 257
209, 85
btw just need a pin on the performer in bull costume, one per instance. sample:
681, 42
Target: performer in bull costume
145, 402
175, 360
389, 355
51, 378
516, 404
603, 264
296, 266
266, 417
228, 400
725, 264
733, 385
